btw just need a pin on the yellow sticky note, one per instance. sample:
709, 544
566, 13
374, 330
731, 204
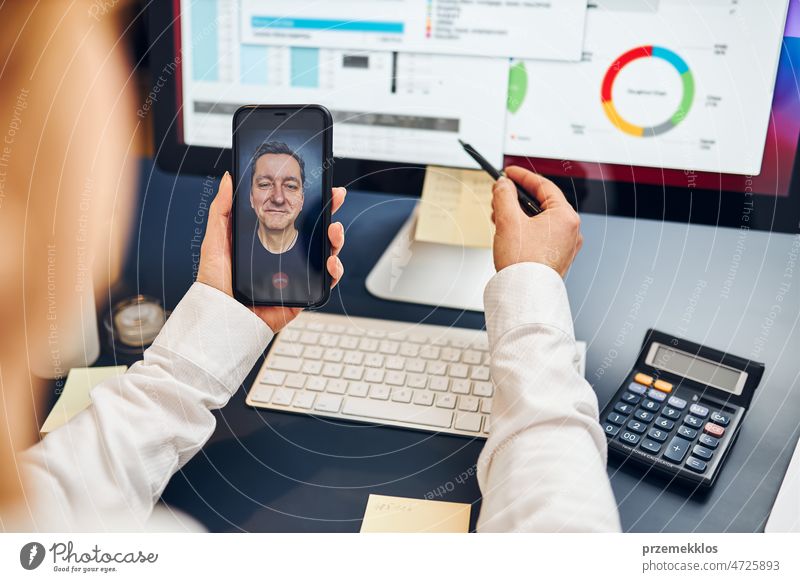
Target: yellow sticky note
75, 395
404, 515
456, 208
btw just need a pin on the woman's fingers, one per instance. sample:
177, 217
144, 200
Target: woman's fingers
336, 269
339, 195
336, 236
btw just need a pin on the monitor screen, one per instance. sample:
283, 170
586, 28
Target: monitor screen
676, 110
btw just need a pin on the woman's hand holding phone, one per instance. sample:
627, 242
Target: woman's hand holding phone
216, 255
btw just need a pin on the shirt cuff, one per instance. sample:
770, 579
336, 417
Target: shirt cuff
524, 294
216, 333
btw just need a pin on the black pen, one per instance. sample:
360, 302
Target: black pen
526, 201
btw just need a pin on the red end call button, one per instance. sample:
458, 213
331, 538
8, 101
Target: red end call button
280, 280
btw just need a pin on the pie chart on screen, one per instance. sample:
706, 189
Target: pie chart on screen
680, 87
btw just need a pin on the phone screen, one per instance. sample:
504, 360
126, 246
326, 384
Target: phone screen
282, 199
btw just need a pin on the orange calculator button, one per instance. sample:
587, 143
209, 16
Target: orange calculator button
714, 430
663, 385
643, 379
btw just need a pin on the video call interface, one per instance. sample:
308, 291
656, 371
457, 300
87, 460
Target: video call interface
279, 206
634, 92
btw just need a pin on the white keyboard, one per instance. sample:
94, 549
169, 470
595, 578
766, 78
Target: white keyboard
425, 377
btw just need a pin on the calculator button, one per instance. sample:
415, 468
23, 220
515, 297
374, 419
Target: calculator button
656, 395
643, 415
651, 405
630, 398
702, 452
714, 429
623, 408
651, 446
629, 437
698, 410
676, 402
637, 426
663, 385
687, 432
636, 388
664, 423
720, 418
643, 379
616, 418
610, 429
671, 413
708, 441
696, 464
676, 449
693, 421
658, 434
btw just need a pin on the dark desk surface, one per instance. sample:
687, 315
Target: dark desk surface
265, 471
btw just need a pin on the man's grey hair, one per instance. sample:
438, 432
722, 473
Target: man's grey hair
276, 147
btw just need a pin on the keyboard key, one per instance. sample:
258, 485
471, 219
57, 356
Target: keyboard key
283, 396
643, 379
692, 421
696, 464
388, 347
353, 358
714, 430
331, 403
468, 421
409, 350
395, 378
417, 380
429, 352
623, 408
374, 375
658, 435
333, 355
636, 426
273, 378
651, 405
336, 386
423, 397
437, 368
451, 355
629, 437
415, 365
484, 389
459, 370
630, 398
720, 418
312, 367
313, 353
650, 446
656, 395
290, 335
353, 372
399, 412
332, 370
316, 384
358, 389
446, 401
664, 423
262, 394
368, 344
698, 410
480, 373
687, 432
708, 441
468, 403
616, 418
671, 413
471, 357
643, 415
287, 349
676, 402
636, 388
662, 385
611, 429
460, 386
303, 400
295, 381
438, 383
676, 449
374, 360
486, 405
702, 452
379, 392
395, 363
401, 395
348, 342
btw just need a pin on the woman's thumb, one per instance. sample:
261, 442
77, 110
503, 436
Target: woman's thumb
224, 198
504, 199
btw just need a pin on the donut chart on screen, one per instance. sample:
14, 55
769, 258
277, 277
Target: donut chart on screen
644, 52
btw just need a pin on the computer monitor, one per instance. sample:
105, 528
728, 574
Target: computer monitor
585, 124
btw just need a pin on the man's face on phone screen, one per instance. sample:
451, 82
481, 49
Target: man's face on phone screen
276, 193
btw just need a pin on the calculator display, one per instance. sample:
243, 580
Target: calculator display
697, 369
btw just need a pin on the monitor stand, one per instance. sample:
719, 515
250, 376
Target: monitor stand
430, 273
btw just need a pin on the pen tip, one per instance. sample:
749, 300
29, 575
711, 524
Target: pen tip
461, 142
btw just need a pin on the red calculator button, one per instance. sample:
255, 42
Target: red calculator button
714, 430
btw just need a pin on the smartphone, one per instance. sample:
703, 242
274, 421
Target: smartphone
282, 159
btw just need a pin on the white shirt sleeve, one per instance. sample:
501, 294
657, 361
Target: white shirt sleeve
107, 467
543, 467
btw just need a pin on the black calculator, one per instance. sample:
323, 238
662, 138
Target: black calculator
681, 407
